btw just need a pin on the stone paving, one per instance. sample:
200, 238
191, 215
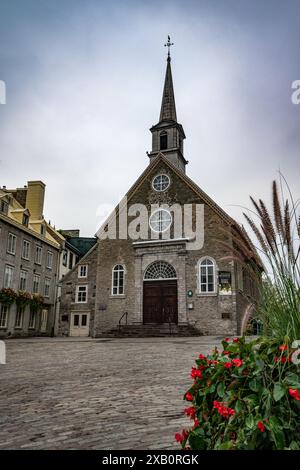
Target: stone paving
96, 393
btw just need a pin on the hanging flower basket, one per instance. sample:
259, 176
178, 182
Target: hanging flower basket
7, 296
23, 298
36, 302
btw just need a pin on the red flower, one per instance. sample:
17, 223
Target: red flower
294, 394
283, 347
181, 437
223, 410
227, 365
191, 412
196, 373
227, 340
283, 359
189, 396
178, 437
237, 362
203, 358
261, 426
225, 353
196, 423
236, 340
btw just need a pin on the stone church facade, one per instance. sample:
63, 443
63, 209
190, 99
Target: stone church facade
182, 266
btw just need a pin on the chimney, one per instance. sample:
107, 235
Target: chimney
35, 199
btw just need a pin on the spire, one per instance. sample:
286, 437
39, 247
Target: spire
168, 135
168, 107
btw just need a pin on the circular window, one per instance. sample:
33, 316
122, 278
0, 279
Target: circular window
161, 182
160, 220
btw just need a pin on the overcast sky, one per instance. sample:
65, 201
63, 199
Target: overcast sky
84, 84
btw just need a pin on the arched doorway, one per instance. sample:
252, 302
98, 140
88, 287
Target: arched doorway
160, 294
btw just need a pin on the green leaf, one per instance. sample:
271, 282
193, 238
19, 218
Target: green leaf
294, 446
221, 389
249, 422
292, 380
225, 445
197, 442
238, 406
254, 385
279, 391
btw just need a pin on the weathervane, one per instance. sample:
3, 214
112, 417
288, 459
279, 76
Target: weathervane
168, 45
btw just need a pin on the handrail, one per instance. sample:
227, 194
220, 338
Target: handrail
125, 314
170, 324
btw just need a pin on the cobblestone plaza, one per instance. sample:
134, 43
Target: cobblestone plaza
96, 394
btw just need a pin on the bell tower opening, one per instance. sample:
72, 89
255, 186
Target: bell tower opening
163, 140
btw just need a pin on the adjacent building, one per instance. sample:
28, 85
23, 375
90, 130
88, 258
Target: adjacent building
29, 263
34, 258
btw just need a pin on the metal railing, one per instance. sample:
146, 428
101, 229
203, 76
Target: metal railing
125, 314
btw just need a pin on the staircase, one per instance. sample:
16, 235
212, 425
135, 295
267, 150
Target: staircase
152, 330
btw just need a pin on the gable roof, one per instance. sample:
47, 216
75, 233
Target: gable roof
195, 188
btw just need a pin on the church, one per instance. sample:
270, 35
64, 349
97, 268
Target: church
169, 260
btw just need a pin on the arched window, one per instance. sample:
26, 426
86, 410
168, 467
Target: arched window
160, 270
163, 140
207, 276
118, 274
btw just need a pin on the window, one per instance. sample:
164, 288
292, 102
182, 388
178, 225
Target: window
207, 276
118, 280
25, 220
49, 260
70, 260
65, 258
23, 279
163, 140
161, 182
3, 316
38, 254
3, 207
81, 294
47, 287
32, 318
11, 244
19, 318
26, 249
160, 220
160, 270
82, 270
8, 276
36, 283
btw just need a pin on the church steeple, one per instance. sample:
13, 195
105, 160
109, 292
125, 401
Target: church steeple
168, 135
168, 107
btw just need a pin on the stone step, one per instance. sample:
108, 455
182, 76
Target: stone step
153, 330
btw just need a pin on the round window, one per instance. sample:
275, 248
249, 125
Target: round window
161, 182
160, 220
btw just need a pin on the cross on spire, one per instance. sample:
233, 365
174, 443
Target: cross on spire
168, 45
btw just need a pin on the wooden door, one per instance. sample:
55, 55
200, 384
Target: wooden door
160, 302
80, 324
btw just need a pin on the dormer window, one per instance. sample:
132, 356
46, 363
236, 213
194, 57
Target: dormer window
163, 140
25, 220
3, 207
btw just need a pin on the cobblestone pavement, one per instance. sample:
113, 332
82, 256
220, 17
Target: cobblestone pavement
95, 393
